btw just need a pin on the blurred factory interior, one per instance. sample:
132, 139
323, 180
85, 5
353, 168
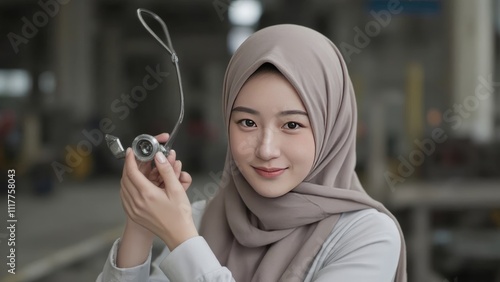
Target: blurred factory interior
427, 80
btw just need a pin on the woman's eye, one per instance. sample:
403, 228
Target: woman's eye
247, 123
292, 125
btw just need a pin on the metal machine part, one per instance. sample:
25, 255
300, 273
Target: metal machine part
146, 146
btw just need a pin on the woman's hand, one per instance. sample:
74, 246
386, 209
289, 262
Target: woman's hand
136, 240
154, 176
152, 172
156, 198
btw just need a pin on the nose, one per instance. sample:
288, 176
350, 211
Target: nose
268, 146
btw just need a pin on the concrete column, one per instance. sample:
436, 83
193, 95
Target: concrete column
420, 249
112, 66
212, 98
213, 80
377, 153
74, 58
472, 69
497, 13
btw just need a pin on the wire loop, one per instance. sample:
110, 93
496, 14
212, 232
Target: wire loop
170, 48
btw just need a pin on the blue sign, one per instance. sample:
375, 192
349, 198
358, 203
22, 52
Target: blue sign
419, 7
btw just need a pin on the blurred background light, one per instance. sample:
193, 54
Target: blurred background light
47, 82
434, 117
426, 75
245, 12
15, 83
236, 36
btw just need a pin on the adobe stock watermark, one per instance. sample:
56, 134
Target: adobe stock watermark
30, 28
122, 108
209, 189
219, 180
297, 272
362, 38
454, 116
221, 7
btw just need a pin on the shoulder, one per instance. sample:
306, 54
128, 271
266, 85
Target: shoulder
368, 233
368, 221
363, 246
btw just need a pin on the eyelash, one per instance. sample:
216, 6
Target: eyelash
298, 125
240, 122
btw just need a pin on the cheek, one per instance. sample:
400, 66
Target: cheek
241, 145
305, 152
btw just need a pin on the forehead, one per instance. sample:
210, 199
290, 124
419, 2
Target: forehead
269, 90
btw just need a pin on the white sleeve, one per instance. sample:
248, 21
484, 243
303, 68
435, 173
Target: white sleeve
193, 260
112, 273
366, 248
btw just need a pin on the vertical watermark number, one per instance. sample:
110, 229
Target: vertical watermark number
11, 220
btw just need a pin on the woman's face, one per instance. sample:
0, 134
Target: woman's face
270, 135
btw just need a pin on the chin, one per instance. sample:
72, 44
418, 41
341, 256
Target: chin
268, 193
264, 188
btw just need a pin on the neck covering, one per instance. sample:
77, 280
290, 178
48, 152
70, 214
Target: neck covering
277, 239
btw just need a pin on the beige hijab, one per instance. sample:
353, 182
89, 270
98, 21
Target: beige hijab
276, 239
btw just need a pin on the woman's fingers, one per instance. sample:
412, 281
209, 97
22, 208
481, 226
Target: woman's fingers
145, 167
132, 176
163, 137
151, 173
154, 176
177, 168
126, 184
172, 155
176, 164
165, 212
172, 183
128, 201
185, 179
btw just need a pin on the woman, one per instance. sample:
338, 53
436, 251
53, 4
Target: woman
290, 207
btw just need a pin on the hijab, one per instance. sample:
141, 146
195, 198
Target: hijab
277, 239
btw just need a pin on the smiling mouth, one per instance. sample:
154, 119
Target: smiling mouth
269, 172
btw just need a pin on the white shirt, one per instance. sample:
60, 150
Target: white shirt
363, 246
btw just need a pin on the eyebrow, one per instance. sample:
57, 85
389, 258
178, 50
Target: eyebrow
282, 113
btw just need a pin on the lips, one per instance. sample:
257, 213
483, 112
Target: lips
271, 169
269, 172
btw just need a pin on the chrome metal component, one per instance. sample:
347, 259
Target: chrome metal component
146, 146
115, 146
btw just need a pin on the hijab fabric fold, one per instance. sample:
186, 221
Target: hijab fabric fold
277, 239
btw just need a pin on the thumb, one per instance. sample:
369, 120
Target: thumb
167, 173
